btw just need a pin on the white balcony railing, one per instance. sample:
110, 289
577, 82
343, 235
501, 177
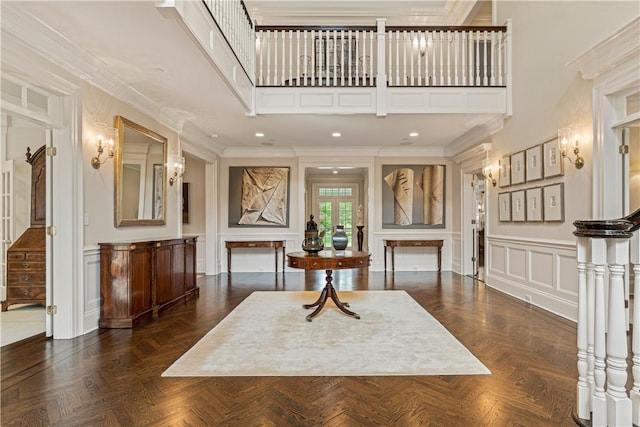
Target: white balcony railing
608, 256
402, 56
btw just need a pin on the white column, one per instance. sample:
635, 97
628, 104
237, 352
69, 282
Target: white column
381, 77
634, 258
599, 402
583, 396
618, 403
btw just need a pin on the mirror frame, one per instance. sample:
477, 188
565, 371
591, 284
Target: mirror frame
120, 124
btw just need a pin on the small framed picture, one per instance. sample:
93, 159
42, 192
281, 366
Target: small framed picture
553, 202
504, 201
505, 171
534, 204
518, 172
553, 164
534, 163
518, 206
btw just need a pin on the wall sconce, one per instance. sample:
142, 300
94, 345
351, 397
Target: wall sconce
571, 137
104, 142
487, 171
178, 171
423, 46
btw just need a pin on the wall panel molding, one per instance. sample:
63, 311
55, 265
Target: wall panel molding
541, 272
91, 303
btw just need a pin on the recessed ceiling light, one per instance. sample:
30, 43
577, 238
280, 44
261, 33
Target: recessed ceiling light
214, 135
259, 134
413, 134
325, 167
336, 134
335, 171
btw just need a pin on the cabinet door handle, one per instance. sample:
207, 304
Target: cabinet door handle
26, 292
25, 265
26, 277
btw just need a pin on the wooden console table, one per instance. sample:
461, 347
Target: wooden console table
410, 243
328, 260
275, 244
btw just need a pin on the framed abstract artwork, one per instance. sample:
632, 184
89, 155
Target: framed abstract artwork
518, 168
504, 207
413, 196
518, 206
533, 157
553, 202
534, 204
258, 196
505, 171
553, 164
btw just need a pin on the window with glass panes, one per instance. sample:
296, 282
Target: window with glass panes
336, 207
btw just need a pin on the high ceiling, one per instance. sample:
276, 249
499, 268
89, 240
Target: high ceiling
155, 58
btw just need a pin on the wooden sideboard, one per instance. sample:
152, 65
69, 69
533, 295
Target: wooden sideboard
139, 279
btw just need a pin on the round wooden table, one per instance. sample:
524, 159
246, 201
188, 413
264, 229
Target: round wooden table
328, 260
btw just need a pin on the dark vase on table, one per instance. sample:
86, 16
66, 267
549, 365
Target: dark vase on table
340, 239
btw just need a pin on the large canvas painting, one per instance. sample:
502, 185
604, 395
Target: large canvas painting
258, 196
413, 196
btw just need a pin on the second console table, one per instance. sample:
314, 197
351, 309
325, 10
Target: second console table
410, 243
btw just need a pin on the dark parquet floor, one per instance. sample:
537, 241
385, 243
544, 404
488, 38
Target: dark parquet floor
112, 377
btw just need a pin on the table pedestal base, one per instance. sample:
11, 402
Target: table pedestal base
328, 292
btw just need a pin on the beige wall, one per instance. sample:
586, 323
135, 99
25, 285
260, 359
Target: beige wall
98, 106
548, 95
194, 175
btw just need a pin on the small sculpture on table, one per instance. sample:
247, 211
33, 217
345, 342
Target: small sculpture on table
360, 226
313, 240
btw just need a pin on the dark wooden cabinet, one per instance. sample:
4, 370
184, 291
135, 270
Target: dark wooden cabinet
26, 257
139, 279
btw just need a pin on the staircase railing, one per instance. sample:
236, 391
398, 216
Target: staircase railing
233, 20
604, 250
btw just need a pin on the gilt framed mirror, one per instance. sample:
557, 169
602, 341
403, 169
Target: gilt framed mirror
140, 175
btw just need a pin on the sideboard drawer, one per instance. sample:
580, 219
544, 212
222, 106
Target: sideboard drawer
26, 292
19, 278
26, 265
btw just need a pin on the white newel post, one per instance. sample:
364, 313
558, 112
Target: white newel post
583, 397
381, 77
634, 255
618, 403
599, 402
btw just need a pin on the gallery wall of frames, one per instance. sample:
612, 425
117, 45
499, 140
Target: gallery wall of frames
539, 203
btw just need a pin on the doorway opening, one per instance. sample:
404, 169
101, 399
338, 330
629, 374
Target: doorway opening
478, 226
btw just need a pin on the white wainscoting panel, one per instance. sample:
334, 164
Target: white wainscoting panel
309, 100
456, 252
446, 100
201, 254
91, 303
516, 265
541, 272
542, 277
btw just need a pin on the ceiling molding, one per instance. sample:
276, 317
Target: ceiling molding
475, 153
476, 135
43, 41
251, 152
336, 151
614, 50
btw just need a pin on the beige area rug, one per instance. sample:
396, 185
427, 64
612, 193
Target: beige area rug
267, 335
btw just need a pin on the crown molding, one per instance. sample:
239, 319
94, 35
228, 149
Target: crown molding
476, 135
41, 40
476, 153
255, 152
336, 151
620, 47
